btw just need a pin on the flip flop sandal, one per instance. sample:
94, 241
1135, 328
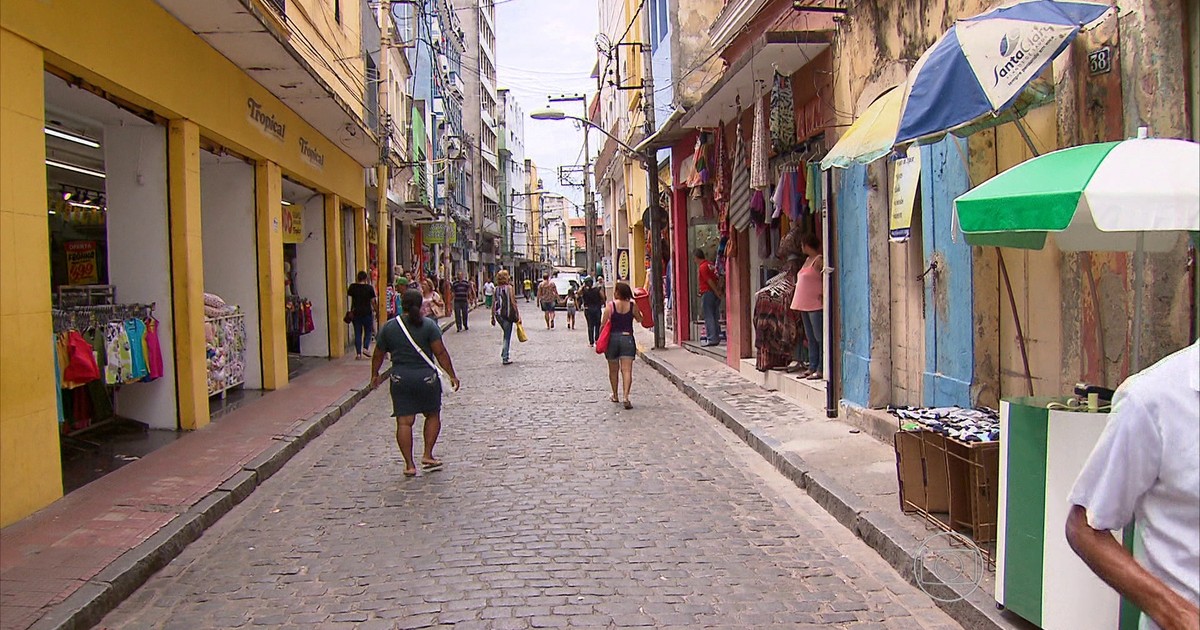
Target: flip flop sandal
431, 466
628, 405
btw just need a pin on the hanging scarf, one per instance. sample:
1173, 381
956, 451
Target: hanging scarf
722, 166
783, 114
759, 166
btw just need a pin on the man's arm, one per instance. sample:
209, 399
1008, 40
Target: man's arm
1114, 564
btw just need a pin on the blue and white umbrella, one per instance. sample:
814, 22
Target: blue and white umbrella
982, 63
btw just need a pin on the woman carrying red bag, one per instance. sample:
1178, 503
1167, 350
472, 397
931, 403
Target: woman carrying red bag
618, 318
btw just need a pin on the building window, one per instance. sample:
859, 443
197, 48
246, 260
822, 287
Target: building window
278, 5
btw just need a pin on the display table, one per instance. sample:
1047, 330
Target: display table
1038, 576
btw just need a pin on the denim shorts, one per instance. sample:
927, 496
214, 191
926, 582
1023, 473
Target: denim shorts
621, 346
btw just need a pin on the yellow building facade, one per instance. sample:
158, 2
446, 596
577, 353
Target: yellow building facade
165, 87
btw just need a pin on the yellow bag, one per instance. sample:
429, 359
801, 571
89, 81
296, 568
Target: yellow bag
521, 336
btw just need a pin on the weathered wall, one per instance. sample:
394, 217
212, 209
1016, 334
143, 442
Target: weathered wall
853, 283
694, 69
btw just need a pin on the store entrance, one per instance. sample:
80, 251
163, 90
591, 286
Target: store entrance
305, 291
106, 173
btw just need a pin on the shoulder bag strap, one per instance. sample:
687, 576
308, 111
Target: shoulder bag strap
414, 343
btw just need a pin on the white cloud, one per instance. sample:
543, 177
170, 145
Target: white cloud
546, 48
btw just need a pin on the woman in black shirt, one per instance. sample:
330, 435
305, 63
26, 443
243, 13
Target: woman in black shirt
362, 313
593, 303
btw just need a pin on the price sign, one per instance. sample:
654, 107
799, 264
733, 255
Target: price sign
293, 224
81, 263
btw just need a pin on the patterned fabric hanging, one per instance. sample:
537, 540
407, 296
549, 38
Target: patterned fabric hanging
721, 167
783, 114
760, 175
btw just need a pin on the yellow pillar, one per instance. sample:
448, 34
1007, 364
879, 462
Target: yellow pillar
383, 219
272, 318
334, 273
187, 272
360, 240
30, 468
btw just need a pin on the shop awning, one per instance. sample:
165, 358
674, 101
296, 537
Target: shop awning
785, 52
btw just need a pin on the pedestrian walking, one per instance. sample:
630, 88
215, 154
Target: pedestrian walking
572, 306
593, 304
547, 295
505, 312
1144, 471
431, 301
622, 349
809, 300
710, 302
528, 288
363, 305
411, 340
394, 292
489, 292
462, 302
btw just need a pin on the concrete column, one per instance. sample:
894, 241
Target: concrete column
139, 257
360, 241
187, 272
737, 303
312, 277
269, 229
681, 258
334, 272
30, 468
383, 219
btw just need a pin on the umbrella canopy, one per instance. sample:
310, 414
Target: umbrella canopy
1094, 197
983, 63
871, 136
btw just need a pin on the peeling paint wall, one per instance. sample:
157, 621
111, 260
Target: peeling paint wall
694, 69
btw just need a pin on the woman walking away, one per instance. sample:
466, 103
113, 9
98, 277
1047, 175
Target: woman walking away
432, 305
504, 311
593, 304
362, 312
622, 349
808, 299
413, 341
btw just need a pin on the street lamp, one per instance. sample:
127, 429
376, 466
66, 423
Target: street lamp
649, 160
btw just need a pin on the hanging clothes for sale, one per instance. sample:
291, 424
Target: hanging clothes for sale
154, 359
739, 189
783, 114
699, 171
721, 169
760, 177
774, 325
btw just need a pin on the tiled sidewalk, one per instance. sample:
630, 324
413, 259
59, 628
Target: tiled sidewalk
68, 563
849, 473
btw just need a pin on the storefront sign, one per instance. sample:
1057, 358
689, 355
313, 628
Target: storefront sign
623, 264
904, 191
81, 262
435, 234
265, 121
293, 223
311, 155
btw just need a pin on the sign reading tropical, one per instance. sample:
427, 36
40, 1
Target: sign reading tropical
293, 224
81, 262
904, 192
435, 234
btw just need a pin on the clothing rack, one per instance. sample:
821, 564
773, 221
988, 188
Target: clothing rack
84, 317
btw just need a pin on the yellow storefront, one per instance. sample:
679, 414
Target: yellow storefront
193, 98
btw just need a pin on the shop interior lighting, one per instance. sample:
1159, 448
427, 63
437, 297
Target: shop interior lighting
73, 137
74, 168
286, 203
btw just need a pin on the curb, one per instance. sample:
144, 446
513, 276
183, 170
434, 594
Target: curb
973, 609
107, 589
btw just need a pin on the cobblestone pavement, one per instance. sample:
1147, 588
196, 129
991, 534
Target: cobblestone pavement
556, 509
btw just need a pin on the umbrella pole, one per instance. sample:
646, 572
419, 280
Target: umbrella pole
1025, 135
1139, 271
1012, 303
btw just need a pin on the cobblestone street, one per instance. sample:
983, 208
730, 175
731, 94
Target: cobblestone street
556, 508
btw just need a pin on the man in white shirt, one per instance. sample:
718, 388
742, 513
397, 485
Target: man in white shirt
489, 293
1146, 470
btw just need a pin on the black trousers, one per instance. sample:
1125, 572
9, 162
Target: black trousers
460, 314
593, 316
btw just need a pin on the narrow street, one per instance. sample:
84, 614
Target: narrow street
556, 508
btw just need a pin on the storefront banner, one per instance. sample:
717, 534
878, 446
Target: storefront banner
904, 190
623, 269
293, 224
81, 262
435, 234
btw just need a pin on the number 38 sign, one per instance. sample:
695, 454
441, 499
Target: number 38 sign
81, 262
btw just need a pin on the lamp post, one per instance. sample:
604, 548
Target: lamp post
649, 159
589, 203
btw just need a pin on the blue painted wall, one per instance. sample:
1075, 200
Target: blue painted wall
854, 284
950, 293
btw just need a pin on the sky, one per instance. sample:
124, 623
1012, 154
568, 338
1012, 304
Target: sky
547, 48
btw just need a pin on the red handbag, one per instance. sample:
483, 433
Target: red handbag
605, 334
81, 363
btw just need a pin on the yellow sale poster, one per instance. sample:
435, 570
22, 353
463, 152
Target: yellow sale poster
81, 262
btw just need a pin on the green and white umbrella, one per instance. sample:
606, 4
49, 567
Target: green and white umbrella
1135, 195
1113, 196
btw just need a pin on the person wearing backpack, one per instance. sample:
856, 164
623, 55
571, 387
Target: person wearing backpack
505, 312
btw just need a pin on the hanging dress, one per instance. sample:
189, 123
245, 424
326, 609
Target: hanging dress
760, 177
783, 114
